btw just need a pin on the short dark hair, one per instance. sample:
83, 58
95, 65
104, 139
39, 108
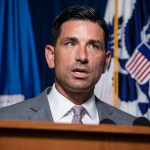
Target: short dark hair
79, 13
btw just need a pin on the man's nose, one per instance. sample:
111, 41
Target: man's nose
81, 54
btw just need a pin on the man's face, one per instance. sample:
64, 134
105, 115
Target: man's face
79, 57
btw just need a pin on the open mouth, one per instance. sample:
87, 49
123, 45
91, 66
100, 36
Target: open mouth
80, 73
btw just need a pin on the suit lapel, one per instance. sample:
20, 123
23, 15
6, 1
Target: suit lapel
40, 107
104, 111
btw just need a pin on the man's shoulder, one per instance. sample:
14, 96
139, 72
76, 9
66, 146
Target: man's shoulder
25, 107
17, 107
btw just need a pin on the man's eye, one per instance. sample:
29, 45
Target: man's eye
94, 46
70, 43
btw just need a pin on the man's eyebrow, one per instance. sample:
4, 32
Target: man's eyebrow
70, 39
96, 41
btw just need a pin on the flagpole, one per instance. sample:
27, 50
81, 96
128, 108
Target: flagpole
116, 77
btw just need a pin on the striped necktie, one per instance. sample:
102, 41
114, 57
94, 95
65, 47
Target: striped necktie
78, 111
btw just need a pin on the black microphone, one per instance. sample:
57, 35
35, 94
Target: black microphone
107, 121
141, 121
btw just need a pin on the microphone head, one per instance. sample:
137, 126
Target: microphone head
141, 121
107, 121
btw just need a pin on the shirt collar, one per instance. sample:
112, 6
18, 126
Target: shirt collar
59, 105
90, 106
57, 100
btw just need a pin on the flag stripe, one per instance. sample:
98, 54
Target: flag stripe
142, 72
148, 73
132, 61
135, 60
138, 65
141, 66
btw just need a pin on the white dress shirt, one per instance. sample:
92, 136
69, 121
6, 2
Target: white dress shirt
61, 108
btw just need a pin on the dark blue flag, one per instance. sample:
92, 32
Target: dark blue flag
133, 54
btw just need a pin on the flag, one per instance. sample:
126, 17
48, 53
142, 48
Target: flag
133, 55
19, 75
139, 64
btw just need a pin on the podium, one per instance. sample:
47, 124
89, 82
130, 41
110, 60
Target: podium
33, 135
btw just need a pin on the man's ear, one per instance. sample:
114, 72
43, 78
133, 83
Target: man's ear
107, 60
49, 54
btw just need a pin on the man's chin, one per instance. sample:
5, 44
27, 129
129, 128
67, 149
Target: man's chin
81, 89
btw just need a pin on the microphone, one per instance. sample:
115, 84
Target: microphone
107, 121
141, 121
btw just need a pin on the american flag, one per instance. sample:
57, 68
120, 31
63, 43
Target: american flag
139, 64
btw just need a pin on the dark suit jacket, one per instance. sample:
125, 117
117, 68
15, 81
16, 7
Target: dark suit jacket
38, 109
